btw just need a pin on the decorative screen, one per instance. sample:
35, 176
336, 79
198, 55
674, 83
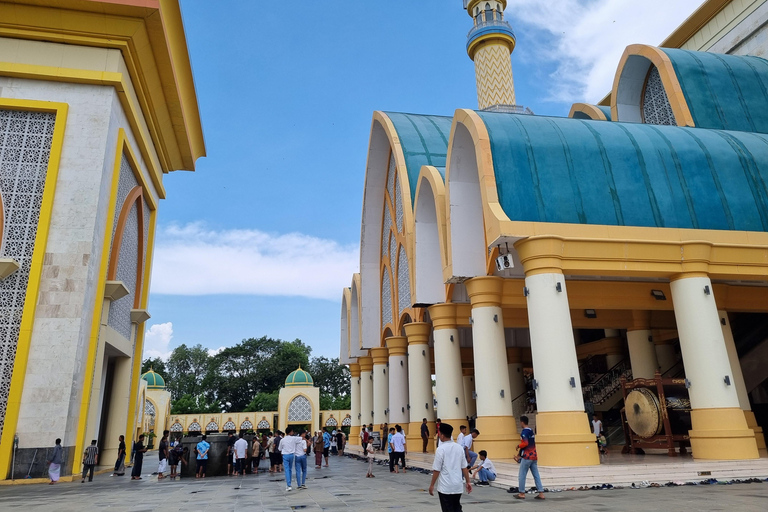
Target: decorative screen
300, 409
229, 426
656, 107
399, 208
176, 427
403, 282
263, 424
194, 427
331, 422
246, 425
212, 427
386, 300
25, 146
346, 422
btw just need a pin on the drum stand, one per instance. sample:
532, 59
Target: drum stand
666, 439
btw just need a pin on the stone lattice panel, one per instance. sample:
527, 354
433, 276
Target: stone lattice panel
385, 230
346, 422
300, 409
331, 422
229, 426
194, 427
246, 425
386, 300
656, 107
391, 176
176, 427
403, 281
212, 427
399, 208
263, 424
25, 147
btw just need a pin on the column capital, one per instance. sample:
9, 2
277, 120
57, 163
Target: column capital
397, 345
485, 291
366, 363
354, 369
418, 333
380, 355
443, 316
687, 275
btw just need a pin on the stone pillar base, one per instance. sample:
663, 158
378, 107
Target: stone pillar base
415, 443
752, 423
498, 436
565, 439
722, 434
354, 435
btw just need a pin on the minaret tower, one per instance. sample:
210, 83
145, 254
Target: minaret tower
490, 44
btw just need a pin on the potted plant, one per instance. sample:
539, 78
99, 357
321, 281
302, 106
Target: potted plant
150, 440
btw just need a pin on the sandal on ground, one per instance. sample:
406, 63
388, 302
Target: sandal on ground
539, 497
520, 496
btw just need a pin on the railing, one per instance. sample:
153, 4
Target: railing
675, 371
524, 403
488, 24
509, 109
600, 390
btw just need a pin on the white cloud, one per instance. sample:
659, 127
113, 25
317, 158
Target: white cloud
156, 341
212, 352
194, 260
586, 38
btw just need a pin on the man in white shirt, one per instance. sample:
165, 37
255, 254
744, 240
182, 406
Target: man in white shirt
597, 429
398, 448
241, 452
288, 449
467, 444
447, 471
462, 434
486, 471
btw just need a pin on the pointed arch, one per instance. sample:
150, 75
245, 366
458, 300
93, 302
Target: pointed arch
134, 197
345, 354
355, 326
430, 257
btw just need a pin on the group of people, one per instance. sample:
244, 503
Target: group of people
455, 461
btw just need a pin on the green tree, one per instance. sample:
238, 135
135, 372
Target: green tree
263, 402
335, 403
189, 404
238, 373
187, 370
331, 377
156, 364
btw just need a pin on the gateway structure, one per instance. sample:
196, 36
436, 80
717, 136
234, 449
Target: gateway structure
633, 234
97, 103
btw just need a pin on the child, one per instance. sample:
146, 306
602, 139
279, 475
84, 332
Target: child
369, 453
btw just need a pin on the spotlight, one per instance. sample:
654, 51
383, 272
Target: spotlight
590, 313
658, 295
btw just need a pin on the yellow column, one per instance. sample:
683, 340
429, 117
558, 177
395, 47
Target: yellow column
719, 428
366, 390
564, 436
398, 381
449, 386
419, 385
380, 357
354, 431
738, 380
495, 421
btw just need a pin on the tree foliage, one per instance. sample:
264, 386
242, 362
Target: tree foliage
187, 370
263, 401
189, 404
156, 364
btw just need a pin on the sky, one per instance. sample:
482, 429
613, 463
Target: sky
261, 239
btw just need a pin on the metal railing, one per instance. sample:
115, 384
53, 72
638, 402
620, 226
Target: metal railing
486, 24
599, 391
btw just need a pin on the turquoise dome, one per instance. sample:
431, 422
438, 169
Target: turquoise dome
154, 380
299, 378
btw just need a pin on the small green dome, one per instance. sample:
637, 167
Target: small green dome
299, 378
154, 380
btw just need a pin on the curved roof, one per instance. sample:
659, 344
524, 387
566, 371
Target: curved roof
299, 378
424, 140
591, 172
727, 92
154, 380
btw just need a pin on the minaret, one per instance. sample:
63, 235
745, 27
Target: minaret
490, 44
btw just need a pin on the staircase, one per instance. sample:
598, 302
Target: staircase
604, 392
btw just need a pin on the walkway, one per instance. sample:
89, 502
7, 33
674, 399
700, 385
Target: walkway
343, 486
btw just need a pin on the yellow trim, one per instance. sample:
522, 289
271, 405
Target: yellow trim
694, 23
153, 45
668, 76
35, 272
106, 78
588, 110
288, 403
488, 39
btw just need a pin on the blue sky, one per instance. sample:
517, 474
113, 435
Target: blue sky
268, 227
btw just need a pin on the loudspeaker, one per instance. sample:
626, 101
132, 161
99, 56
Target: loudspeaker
504, 262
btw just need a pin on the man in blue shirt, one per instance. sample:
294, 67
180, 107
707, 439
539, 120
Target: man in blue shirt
326, 446
390, 451
202, 457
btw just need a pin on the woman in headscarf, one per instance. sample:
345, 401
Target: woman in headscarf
54, 465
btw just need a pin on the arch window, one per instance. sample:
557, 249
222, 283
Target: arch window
229, 426
246, 425
212, 426
346, 422
194, 427
299, 410
263, 424
176, 427
656, 107
331, 422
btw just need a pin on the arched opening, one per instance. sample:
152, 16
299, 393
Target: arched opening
344, 352
355, 342
467, 234
429, 257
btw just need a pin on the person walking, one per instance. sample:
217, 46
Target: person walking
54, 464
597, 429
340, 441
120, 462
90, 459
288, 449
528, 460
300, 459
202, 457
485, 470
162, 455
447, 470
326, 446
240, 449
318, 447
368, 451
424, 435
399, 447
138, 458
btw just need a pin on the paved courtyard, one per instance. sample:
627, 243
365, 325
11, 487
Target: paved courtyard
344, 486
